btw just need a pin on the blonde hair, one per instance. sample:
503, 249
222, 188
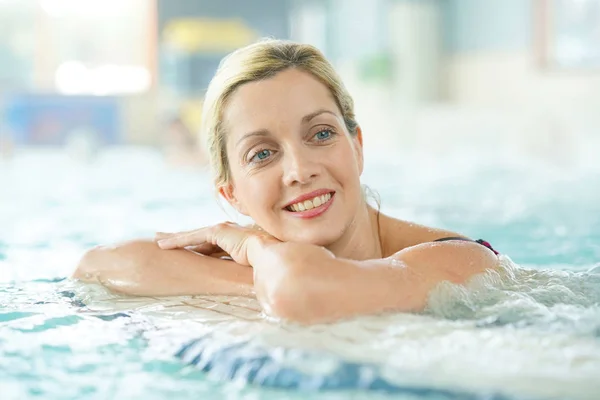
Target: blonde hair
259, 61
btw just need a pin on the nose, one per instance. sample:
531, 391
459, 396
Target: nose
300, 167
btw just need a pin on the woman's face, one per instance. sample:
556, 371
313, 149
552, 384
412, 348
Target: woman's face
295, 169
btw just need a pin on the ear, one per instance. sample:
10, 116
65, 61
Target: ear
358, 145
228, 192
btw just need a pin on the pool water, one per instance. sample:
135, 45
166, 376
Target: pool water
529, 331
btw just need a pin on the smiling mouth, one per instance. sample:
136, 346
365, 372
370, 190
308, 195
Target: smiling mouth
306, 205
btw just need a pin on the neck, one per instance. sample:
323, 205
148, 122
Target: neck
361, 239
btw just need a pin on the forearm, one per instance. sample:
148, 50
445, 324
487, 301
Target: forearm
312, 285
309, 285
141, 268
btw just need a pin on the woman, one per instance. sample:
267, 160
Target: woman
286, 150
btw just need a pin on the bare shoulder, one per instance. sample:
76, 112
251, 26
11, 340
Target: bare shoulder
397, 234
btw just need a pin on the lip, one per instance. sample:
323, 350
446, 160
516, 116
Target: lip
313, 212
309, 196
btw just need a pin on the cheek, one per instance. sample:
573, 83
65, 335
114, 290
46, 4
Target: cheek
346, 167
258, 194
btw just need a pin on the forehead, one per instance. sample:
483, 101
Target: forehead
282, 99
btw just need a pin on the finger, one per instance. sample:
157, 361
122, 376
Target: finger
161, 235
165, 235
196, 238
205, 248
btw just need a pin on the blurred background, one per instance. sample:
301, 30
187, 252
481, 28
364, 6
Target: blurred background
514, 75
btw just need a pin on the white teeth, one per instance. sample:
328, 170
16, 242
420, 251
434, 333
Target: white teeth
310, 204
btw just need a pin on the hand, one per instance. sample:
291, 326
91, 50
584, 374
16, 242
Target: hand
227, 236
206, 248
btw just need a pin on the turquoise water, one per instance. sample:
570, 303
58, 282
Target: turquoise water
533, 332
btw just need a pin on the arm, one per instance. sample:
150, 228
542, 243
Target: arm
319, 287
141, 268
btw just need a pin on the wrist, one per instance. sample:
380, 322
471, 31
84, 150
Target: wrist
257, 245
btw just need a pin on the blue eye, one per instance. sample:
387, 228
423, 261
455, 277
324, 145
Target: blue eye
323, 135
261, 155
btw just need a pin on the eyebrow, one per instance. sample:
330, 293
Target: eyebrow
315, 114
260, 132
264, 132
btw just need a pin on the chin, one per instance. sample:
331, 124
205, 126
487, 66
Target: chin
316, 237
